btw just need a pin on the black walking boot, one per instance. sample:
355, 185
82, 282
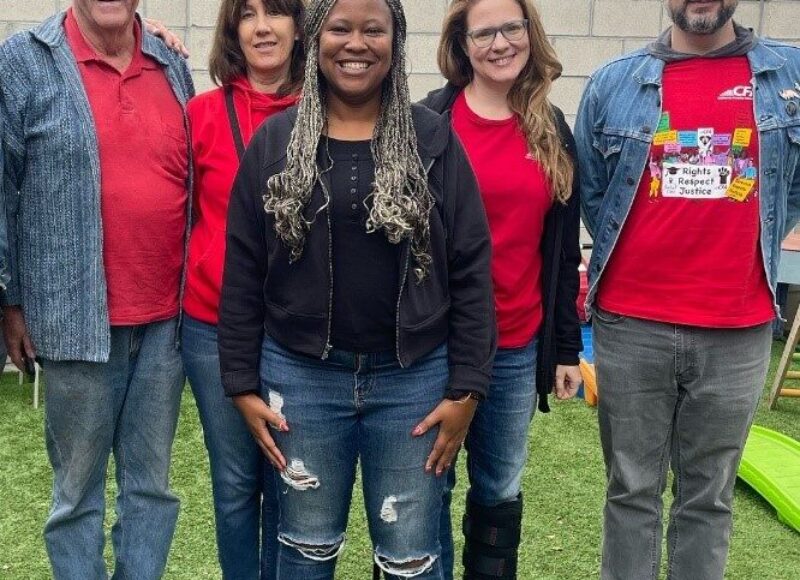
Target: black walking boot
492, 537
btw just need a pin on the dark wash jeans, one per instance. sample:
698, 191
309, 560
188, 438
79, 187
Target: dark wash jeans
676, 396
497, 443
345, 409
243, 482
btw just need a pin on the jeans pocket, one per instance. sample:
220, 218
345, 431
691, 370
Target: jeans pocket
607, 317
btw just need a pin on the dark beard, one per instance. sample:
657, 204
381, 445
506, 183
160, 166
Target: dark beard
702, 25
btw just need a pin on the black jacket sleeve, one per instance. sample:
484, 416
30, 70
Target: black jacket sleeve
472, 337
241, 314
567, 325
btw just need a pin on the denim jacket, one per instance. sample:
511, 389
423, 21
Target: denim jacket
50, 190
617, 118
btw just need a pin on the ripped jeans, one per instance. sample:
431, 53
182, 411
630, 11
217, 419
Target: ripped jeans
340, 410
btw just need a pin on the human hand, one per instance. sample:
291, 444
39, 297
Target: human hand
172, 40
259, 417
568, 379
15, 333
453, 418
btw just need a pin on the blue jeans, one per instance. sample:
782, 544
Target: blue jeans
680, 397
340, 410
497, 443
128, 406
243, 483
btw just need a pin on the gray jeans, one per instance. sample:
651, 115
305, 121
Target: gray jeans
680, 396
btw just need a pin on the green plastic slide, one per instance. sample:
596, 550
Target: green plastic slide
771, 466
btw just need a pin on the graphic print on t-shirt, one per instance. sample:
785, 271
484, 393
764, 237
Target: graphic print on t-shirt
701, 163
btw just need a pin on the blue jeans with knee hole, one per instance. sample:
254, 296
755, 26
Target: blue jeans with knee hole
243, 482
128, 406
497, 443
678, 396
347, 408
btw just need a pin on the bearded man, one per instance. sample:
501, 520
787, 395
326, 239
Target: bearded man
689, 154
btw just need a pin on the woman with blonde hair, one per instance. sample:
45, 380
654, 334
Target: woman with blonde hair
500, 68
356, 322
257, 60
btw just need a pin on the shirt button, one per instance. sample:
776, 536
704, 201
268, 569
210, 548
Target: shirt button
355, 155
353, 178
354, 168
353, 190
630, 181
354, 206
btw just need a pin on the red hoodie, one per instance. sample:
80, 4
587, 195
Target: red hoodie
215, 166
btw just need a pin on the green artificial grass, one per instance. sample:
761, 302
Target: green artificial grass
564, 487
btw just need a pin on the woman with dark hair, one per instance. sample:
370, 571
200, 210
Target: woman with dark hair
257, 61
357, 320
500, 68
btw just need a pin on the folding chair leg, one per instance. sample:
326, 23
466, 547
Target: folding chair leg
36, 388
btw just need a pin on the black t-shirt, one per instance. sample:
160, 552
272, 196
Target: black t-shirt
366, 271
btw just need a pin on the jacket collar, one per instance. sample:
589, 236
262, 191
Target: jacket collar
51, 32
762, 59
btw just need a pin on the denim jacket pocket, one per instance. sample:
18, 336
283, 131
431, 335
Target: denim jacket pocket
608, 143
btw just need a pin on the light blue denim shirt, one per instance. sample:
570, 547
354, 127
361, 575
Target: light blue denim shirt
53, 264
618, 115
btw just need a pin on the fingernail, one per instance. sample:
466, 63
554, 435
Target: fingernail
284, 427
428, 468
417, 431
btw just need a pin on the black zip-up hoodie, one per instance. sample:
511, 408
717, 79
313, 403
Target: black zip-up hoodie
560, 335
263, 292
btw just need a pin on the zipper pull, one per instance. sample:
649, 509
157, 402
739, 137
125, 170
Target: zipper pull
326, 350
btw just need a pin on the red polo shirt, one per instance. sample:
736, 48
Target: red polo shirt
143, 150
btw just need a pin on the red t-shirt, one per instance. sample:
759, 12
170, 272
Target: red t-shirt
144, 164
517, 197
215, 166
689, 251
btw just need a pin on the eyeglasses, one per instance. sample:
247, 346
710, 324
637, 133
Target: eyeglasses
511, 31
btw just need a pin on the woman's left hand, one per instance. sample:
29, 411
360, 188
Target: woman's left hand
453, 418
172, 40
568, 379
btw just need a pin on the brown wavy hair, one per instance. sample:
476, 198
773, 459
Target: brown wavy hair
528, 97
226, 61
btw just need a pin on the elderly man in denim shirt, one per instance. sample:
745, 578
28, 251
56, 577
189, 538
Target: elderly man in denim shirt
96, 182
689, 155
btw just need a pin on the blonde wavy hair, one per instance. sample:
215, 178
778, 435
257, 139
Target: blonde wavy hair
528, 97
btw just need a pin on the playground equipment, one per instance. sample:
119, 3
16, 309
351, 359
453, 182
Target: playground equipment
771, 466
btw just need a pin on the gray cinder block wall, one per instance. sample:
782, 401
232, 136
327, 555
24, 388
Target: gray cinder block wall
585, 32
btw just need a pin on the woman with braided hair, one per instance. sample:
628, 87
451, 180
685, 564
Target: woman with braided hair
500, 68
357, 317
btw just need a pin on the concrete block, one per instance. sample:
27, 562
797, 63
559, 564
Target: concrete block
421, 84
170, 12
26, 10
203, 12
565, 17
635, 44
421, 53
627, 18
202, 82
580, 56
781, 20
425, 15
566, 93
199, 44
